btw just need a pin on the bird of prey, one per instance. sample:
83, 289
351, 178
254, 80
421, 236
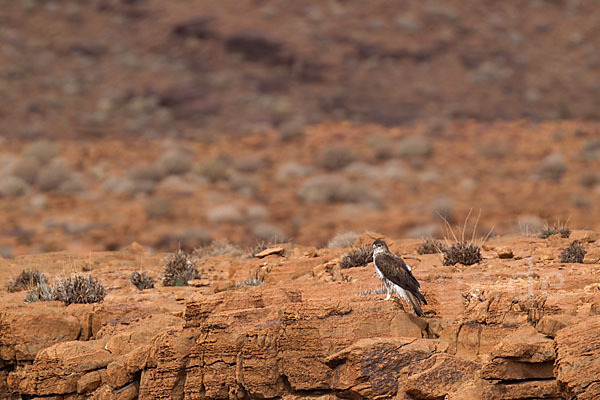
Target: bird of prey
397, 276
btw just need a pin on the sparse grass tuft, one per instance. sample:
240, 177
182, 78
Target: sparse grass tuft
379, 290
27, 280
431, 246
142, 280
179, 269
343, 240
574, 253
218, 248
41, 292
79, 290
555, 230
250, 282
358, 257
336, 189
335, 157
462, 253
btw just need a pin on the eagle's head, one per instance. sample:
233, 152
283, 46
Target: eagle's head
380, 246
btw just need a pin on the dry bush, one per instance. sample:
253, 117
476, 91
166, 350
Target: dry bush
552, 167
41, 292
146, 172
27, 280
358, 257
53, 176
249, 163
431, 246
73, 290
27, 168
244, 184
414, 147
215, 169
43, 151
292, 170
225, 213
591, 150
179, 269
12, 186
217, 248
343, 240
336, 189
382, 146
175, 162
268, 232
495, 148
462, 253
335, 157
561, 230
142, 280
589, 180
574, 253
158, 207
80, 290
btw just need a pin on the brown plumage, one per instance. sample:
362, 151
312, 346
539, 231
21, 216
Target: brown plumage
397, 276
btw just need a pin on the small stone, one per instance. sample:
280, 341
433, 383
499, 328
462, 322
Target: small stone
179, 297
583, 236
592, 256
269, 251
505, 253
199, 282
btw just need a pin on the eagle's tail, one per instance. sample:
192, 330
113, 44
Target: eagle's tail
415, 303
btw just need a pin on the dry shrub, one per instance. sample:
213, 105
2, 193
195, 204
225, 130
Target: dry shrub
336, 189
574, 253
215, 169
175, 162
52, 176
217, 248
462, 253
561, 230
268, 232
12, 186
343, 240
44, 151
552, 167
27, 280
142, 280
431, 246
158, 207
335, 157
27, 168
414, 147
358, 257
146, 172
179, 269
41, 292
80, 290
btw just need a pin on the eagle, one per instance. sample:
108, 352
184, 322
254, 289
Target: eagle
397, 276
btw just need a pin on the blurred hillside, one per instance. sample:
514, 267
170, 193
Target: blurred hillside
174, 123
152, 68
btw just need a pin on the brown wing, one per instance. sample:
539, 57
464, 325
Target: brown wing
394, 268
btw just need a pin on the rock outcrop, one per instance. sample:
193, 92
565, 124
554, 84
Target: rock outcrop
312, 330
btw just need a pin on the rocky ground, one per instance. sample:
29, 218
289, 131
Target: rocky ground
519, 324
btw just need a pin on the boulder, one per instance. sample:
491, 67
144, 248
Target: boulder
27, 329
577, 365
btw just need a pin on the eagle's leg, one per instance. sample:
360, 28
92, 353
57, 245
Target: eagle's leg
389, 292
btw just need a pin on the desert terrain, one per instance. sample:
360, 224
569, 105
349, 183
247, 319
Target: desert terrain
262, 142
